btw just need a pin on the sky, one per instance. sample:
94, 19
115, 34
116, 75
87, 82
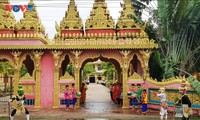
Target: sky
51, 11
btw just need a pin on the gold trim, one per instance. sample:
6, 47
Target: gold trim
67, 76
135, 76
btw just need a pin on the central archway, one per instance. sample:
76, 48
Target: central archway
112, 56
98, 95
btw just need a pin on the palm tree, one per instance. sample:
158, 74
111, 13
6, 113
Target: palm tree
178, 21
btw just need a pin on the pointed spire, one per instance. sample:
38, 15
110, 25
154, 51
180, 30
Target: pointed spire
6, 17
125, 21
71, 21
31, 20
99, 17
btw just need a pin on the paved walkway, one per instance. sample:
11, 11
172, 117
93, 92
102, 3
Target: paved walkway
98, 106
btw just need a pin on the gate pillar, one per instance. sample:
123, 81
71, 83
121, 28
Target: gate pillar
37, 58
125, 66
77, 73
16, 55
56, 56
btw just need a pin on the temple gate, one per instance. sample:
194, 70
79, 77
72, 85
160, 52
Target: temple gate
125, 44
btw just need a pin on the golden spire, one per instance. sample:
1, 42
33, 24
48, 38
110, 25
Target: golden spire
31, 20
125, 21
71, 21
7, 19
99, 17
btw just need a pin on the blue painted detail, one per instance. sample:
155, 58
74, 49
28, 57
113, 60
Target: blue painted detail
16, 8
29, 102
30, 7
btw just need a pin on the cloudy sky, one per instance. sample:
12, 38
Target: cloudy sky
54, 10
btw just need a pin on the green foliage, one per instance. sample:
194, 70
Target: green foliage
109, 69
155, 66
23, 70
177, 35
70, 69
139, 5
87, 70
194, 83
6, 67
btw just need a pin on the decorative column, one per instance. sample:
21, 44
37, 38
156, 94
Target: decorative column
37, 58
56, 56
77, 73
125, 65
146, 55
17, 69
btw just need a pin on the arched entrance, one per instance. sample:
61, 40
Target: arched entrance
98, 93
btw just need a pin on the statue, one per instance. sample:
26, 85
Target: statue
19, 108
163, 103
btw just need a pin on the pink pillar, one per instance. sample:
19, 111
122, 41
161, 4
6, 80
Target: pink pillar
47, 81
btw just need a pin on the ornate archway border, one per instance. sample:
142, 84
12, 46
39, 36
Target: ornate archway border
99, 54
139, 57
8, 58
24, 55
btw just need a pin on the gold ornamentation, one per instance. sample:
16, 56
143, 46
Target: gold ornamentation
77, 53
37, 57
16, 55
67, 76
125, 53
7, 18
135, 76
99, 17
71, 21
62, 88
125, 87
28, 89
27, 77
31, 22
56, 55
126, 22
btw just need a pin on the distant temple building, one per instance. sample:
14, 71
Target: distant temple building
98, 72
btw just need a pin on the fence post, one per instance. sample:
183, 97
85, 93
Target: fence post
11, 87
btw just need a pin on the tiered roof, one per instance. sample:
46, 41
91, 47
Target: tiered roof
71, 25
31, 21
71, 21
127, 26
29, 30
99, 17
125, 21
100, 30
7, 19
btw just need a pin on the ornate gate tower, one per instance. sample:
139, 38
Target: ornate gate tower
125, 44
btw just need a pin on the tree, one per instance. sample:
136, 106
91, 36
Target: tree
23, 70
70, 69
178, 21
109, 69
177, 33
6, 67
87, 70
